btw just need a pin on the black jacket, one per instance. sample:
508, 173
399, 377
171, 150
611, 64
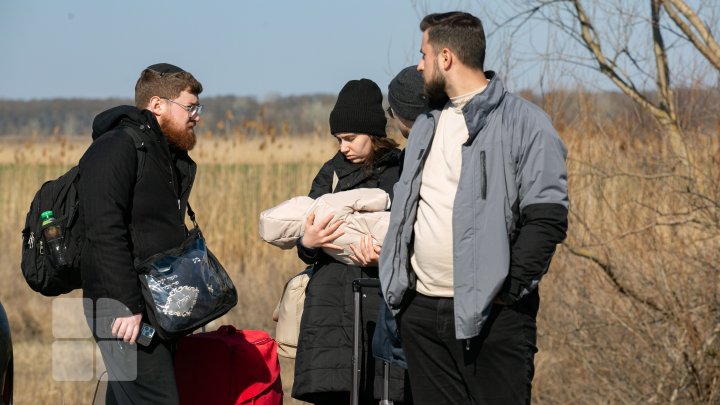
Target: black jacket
324, 355
132, 202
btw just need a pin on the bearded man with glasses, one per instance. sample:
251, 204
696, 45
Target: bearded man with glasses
134, 183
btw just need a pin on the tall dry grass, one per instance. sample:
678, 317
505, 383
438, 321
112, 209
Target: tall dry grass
237, 179
630, 308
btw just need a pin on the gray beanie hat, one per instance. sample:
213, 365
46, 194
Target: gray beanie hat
406, 94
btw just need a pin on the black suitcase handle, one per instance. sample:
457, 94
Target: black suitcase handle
357, 285
360, 283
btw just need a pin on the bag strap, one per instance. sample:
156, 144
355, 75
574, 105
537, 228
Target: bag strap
309, 270
191, 214
136, 135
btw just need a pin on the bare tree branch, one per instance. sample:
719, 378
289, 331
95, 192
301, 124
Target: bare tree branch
697, 33
592, 43
609, 271
662, 79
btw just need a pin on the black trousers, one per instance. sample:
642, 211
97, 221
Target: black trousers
136, 374
495, 367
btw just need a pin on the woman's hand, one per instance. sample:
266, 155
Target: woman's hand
321, 235
368, 254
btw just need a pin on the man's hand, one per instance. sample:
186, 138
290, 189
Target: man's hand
127, 328
367, 254
321, 235
499, 301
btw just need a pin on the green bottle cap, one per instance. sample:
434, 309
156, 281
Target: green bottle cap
46, 217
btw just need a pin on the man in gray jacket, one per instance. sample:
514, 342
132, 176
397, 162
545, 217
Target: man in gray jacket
479, 209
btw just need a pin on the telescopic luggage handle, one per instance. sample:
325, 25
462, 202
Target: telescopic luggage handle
360, 283
357, 285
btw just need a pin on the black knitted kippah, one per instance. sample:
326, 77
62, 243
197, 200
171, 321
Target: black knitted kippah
359, 110
164, 69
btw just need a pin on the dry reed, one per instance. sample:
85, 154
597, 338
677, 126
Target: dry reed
630, 306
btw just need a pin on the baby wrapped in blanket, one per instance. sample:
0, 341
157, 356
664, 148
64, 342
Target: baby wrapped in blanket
363, 210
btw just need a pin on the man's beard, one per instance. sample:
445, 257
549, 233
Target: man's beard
435, 87
179, 135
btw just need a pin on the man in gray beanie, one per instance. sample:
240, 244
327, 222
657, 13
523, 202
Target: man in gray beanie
407, 98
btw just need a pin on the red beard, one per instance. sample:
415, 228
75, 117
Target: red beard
180, 136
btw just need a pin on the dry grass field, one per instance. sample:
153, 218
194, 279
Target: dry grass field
630, 308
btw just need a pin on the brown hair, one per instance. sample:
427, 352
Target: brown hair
460, 32
379, 147
152, 83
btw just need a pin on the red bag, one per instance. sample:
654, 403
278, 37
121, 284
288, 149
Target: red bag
228, 366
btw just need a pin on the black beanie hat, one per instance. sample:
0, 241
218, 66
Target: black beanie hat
406, 94
359, 110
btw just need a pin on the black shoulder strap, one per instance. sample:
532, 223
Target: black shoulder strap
139, 147
191, 214
136, 133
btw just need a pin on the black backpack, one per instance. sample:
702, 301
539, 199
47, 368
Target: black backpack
60, 196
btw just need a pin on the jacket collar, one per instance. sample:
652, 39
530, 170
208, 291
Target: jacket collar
343, 167
126, 115
479, 107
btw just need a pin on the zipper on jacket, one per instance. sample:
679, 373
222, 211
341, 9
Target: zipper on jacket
175, 191
422, 155
483, 176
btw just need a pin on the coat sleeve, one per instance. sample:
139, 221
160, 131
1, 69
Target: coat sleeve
543, 226
322, 184
543, 205
106, 184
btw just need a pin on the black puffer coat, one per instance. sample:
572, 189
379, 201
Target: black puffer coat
131, 207
324, 355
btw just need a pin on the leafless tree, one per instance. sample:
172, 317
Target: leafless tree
631, 43
657, 244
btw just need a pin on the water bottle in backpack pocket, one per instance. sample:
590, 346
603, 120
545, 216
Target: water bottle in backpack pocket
54, 233
52, 238
54, 241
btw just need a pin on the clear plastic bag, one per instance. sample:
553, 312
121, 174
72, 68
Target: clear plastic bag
185, 288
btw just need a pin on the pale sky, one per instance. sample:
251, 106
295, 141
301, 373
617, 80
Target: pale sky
263, 48
97, 48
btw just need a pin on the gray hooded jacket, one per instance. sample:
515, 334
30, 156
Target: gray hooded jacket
510, 210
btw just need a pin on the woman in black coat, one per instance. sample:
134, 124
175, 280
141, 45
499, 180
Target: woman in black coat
366, 159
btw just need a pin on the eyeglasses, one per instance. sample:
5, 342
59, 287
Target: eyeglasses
390, 112
193, 110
